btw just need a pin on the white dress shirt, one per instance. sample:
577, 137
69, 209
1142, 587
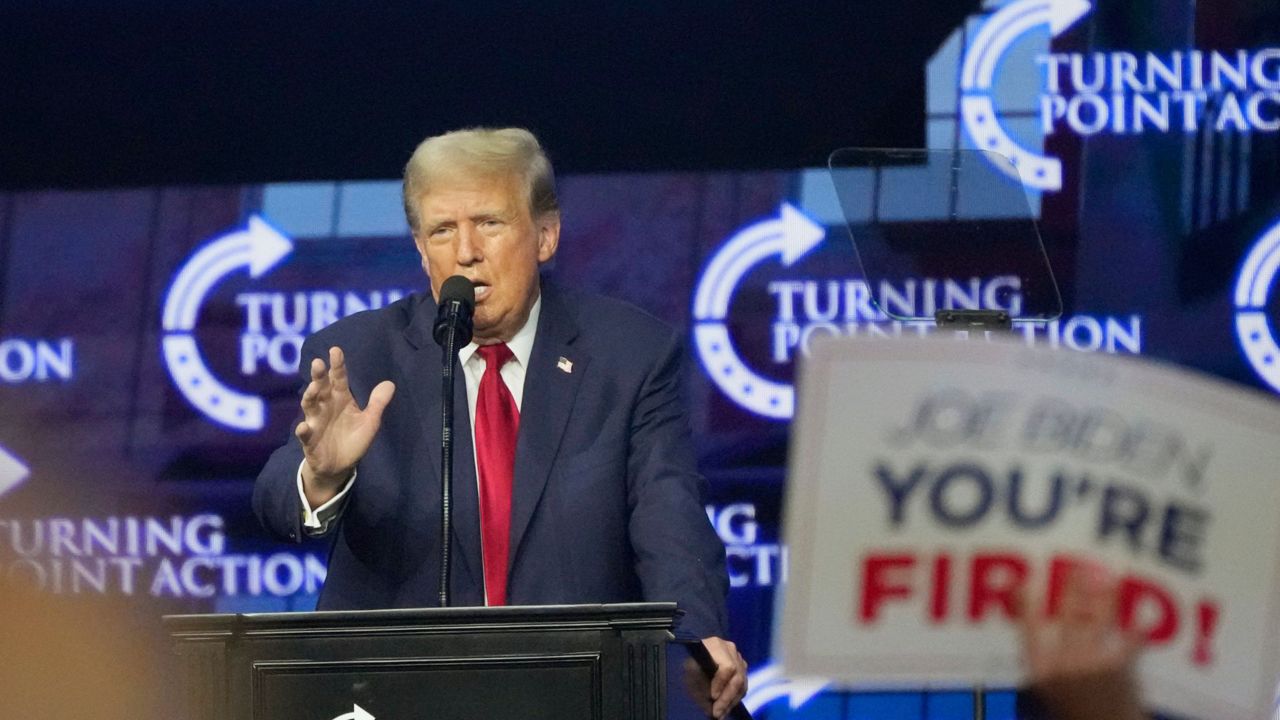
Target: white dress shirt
317, 521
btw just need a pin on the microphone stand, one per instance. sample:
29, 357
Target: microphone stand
452, 328
446, 455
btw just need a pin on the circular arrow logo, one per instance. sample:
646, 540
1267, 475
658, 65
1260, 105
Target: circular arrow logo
768, 684
789, 237
1253, 285
977, 103
258, 247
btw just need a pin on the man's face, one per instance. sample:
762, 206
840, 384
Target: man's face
481, 228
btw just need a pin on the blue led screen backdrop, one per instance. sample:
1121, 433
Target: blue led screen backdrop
149, 336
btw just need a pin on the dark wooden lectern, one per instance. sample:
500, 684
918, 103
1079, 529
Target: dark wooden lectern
573, 661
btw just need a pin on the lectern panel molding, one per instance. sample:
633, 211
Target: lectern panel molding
610, 659
263, 670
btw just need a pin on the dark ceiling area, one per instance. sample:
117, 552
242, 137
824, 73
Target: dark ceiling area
139, 92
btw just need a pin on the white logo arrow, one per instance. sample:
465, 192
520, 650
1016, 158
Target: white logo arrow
12, 472
768, 684
788, 237
258, 247
357, 713
977, 106
1006, 26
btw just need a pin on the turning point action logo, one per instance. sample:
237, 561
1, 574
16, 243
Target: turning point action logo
977, 79
1253, 285
1116, 92
806, 308
258, 248
789, 237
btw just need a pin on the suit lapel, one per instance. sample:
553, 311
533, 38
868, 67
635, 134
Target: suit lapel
550, 386
420, 360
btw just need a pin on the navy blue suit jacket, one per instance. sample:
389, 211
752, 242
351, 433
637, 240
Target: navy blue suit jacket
607, 506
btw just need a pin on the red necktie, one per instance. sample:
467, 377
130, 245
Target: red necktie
497, 421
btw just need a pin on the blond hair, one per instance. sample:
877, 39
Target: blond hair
486, 152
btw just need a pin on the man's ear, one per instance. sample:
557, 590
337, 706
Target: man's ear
548, 236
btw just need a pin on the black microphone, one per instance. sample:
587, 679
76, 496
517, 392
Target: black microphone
452, 330
457, 303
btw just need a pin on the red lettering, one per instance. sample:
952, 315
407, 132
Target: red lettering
1207, 614
924, 585
1136, 593
877, 586
995, 580
938, 604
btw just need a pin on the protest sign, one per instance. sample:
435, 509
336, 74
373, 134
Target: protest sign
931, 479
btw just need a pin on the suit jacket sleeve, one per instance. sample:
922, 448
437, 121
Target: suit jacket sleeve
275, 493
677, 553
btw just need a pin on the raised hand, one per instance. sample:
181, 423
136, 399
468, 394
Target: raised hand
335, 433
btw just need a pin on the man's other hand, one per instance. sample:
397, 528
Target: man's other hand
335, 433
727, 687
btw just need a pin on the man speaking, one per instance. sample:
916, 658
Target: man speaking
577, 481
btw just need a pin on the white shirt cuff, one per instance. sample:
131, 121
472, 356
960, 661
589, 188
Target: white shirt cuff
316, 521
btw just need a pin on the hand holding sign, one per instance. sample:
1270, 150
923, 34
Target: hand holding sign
1080, 661
1082, 635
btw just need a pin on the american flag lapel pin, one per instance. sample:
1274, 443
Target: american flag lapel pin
565, 365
